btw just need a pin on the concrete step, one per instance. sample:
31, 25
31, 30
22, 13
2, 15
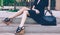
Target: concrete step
7, 13
29, 20
31, 34
30, 28
17, 20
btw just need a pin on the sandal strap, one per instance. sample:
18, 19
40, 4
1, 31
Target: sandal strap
7, 19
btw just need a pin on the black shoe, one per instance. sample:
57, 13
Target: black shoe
6, 20
19, 29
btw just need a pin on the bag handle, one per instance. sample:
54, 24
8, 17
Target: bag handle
48, 11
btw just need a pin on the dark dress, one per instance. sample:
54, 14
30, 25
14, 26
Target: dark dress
40, 6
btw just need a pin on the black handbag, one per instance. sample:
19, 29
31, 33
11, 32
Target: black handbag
49, 20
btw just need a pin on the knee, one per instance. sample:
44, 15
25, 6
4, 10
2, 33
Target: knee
24, 7
25, 12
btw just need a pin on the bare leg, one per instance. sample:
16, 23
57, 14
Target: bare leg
19, 12
20, 27
23, 18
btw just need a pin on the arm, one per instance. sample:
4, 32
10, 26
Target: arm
33, 7
37, 11
34, 4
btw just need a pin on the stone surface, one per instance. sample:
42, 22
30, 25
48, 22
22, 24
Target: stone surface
30, 27
7, 34
31, 34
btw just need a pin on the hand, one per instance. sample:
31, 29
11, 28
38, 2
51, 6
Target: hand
37, 11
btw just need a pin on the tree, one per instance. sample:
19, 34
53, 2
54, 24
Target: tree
15, 5
8, 2
2, 3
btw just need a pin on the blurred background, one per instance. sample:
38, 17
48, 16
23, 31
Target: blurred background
17, 4
9, 7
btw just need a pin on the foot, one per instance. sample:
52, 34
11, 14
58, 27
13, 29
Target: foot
19, 29
7, 21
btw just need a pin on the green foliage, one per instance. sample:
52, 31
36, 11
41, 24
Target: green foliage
11, 3
0, 2
8, 2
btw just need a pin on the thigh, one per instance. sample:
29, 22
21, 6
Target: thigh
25, 8
31, 13
34, 16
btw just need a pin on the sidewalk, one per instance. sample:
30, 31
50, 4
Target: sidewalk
10, 7
7, 34
6, 13
31, 28
55, 13
31, 34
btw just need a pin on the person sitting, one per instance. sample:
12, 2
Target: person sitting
35, 13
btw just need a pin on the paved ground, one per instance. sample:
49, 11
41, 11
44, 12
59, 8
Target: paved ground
30, 29
37, 29
11, 7
31, 34
7, 34
6, 13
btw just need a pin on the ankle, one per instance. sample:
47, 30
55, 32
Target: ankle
21, 27
7, 19
10, 17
